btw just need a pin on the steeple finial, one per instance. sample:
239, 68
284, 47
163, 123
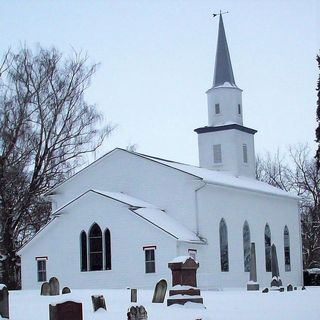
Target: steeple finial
223, 68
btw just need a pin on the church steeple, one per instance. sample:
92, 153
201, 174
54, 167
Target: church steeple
225, 144
223, 69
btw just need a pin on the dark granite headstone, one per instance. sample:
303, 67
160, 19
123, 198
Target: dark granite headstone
45, 289
98, 302
265, 290
137, 313
134, 295
54, 286
295, 288
184, 281
68, 310
276, 281
281, 289
66, 290
160, 291
289, 287
4, 302
184, 272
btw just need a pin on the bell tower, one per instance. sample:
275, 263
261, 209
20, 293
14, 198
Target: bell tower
225, 144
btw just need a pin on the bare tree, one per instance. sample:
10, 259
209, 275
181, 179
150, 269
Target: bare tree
298, 173
318, 116
46, 127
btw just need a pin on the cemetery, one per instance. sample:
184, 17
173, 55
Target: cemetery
177, 299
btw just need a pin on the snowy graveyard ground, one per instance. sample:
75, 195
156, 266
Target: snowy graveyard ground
228, 304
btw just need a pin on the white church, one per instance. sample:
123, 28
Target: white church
118, 222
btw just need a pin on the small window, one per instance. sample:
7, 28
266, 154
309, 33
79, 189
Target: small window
150, 263
193, 254
239, 108
217, 108
217, 155
245, 153
42, 269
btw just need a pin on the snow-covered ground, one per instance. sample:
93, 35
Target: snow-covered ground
229, 304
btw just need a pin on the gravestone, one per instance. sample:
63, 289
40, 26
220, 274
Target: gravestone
66, 290
289, 287
281, 289
252, 284
68, 310
276, 281
303, 288
160, 291
184, 281
134, 295
4, 302
137, 313
45, 289
295, 288
98, 302
54, 286
265, 290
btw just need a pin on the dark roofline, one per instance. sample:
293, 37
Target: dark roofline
233, 126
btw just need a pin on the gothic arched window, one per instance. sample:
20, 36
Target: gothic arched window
246, 246
83, 249
224, 258
95, 248
107, 248
286, 240
267, 245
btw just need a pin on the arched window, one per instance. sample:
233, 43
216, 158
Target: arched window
267, 245
95, 248
246, 246
107, 247
224, 258
286, 240
83, 249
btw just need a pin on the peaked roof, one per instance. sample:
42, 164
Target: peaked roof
223, 68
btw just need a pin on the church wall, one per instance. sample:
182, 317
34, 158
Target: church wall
60, 242
141, 178
236, 207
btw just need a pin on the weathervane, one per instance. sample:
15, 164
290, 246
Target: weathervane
216, 14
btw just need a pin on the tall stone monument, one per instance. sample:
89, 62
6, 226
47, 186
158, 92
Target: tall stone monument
253, 285
276, 281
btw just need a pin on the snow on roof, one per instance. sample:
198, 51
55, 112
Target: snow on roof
181, 259
125, 198
147, 211
167, 223
225, 178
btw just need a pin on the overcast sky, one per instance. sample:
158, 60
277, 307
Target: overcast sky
157, 61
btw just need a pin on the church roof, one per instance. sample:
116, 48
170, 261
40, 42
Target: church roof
146, 211
223, 73
224, 178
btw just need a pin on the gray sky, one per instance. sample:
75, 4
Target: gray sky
157, 61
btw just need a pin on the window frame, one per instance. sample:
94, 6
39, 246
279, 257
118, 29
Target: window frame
41, 272
150, 264
267, 247
224, 246
97, 253
217, 154
245, 153
286, 245
246, 246
217, 109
